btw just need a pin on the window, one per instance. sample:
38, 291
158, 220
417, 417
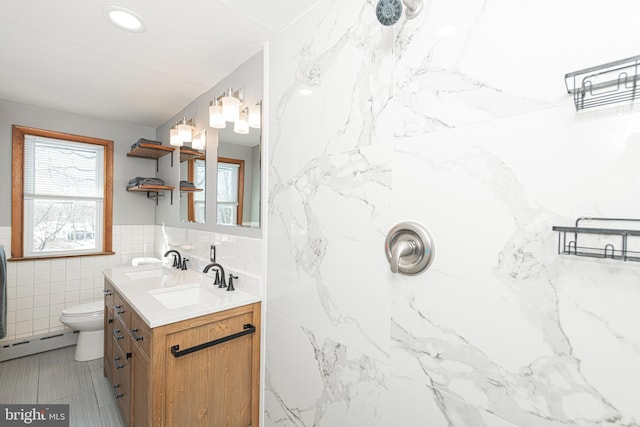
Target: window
230, 191
62, 194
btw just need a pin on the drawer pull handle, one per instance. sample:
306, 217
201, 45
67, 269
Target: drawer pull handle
136, 337
107, 292
118, 366
115, 334
247, 329
118, 307
115, 388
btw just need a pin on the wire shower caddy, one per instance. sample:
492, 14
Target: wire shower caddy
605, 238
611, 83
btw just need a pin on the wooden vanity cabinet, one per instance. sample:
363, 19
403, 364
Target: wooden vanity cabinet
198, 372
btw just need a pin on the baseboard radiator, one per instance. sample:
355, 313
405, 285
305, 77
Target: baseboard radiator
36, 344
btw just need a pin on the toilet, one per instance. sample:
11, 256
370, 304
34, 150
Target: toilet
88, 320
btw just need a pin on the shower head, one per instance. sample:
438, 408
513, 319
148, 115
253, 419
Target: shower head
389, 11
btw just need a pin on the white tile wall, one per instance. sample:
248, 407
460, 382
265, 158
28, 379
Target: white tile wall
38, 291
240, 255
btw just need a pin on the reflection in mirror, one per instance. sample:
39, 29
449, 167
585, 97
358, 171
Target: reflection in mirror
238, 190
192, 185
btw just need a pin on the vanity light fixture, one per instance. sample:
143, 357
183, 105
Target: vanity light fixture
254, 115
174, 138
185, 130
181, 132
228, 107
199, 140
241, 125
216, 119
231, 102
124, 19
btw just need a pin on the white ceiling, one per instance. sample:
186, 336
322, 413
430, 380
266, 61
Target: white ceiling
64, 55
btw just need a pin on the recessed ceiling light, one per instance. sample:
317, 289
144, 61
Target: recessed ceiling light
124, 19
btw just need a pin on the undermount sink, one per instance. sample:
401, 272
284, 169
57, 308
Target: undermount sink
182, 296
145, 274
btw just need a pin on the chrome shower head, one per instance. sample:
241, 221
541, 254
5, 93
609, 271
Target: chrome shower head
389, 11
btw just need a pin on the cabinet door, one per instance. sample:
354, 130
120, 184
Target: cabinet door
108, 342
108, 329
211, 387
141, 389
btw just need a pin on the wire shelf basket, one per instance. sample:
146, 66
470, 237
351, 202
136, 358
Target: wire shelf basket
606, 84
606, 241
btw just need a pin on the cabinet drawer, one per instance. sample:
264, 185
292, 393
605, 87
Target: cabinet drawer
122, 392
119, 362
141, 334
120, 336
121, 309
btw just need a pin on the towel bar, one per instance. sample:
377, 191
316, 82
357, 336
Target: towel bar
248, 329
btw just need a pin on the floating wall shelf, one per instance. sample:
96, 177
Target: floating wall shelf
150, 151
611, 83
188, 154
605, 241
153, 191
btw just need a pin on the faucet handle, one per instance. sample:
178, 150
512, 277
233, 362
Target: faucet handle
184, 263
175, 261
222, 283
231, 287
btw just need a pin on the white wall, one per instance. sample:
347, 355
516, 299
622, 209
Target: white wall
39, 290
459, 120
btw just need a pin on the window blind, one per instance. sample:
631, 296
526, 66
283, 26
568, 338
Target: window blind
228, 176
57, 168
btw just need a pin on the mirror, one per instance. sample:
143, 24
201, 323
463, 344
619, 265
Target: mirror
238, 181
192, 185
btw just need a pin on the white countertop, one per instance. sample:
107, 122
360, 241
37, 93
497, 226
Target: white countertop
163, 295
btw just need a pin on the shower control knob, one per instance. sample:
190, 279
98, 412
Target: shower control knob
409, 248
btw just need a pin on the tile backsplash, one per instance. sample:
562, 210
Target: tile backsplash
240, 255
38, 291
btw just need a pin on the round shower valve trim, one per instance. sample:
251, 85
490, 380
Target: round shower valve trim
409, 248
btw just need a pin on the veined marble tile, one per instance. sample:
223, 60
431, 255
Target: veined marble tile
327, 220
414, 404
500, 320
312, 380
467, 61
330, 100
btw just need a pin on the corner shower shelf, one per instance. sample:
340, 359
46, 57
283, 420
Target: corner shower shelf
599, 242
611, 83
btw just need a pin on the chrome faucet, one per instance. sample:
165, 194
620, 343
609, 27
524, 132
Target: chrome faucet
177, 259
219, 271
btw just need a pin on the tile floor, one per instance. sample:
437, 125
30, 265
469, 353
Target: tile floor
54, 377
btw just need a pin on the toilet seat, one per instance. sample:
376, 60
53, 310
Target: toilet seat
88, 309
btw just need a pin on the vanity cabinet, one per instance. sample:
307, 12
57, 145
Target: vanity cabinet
202, 371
